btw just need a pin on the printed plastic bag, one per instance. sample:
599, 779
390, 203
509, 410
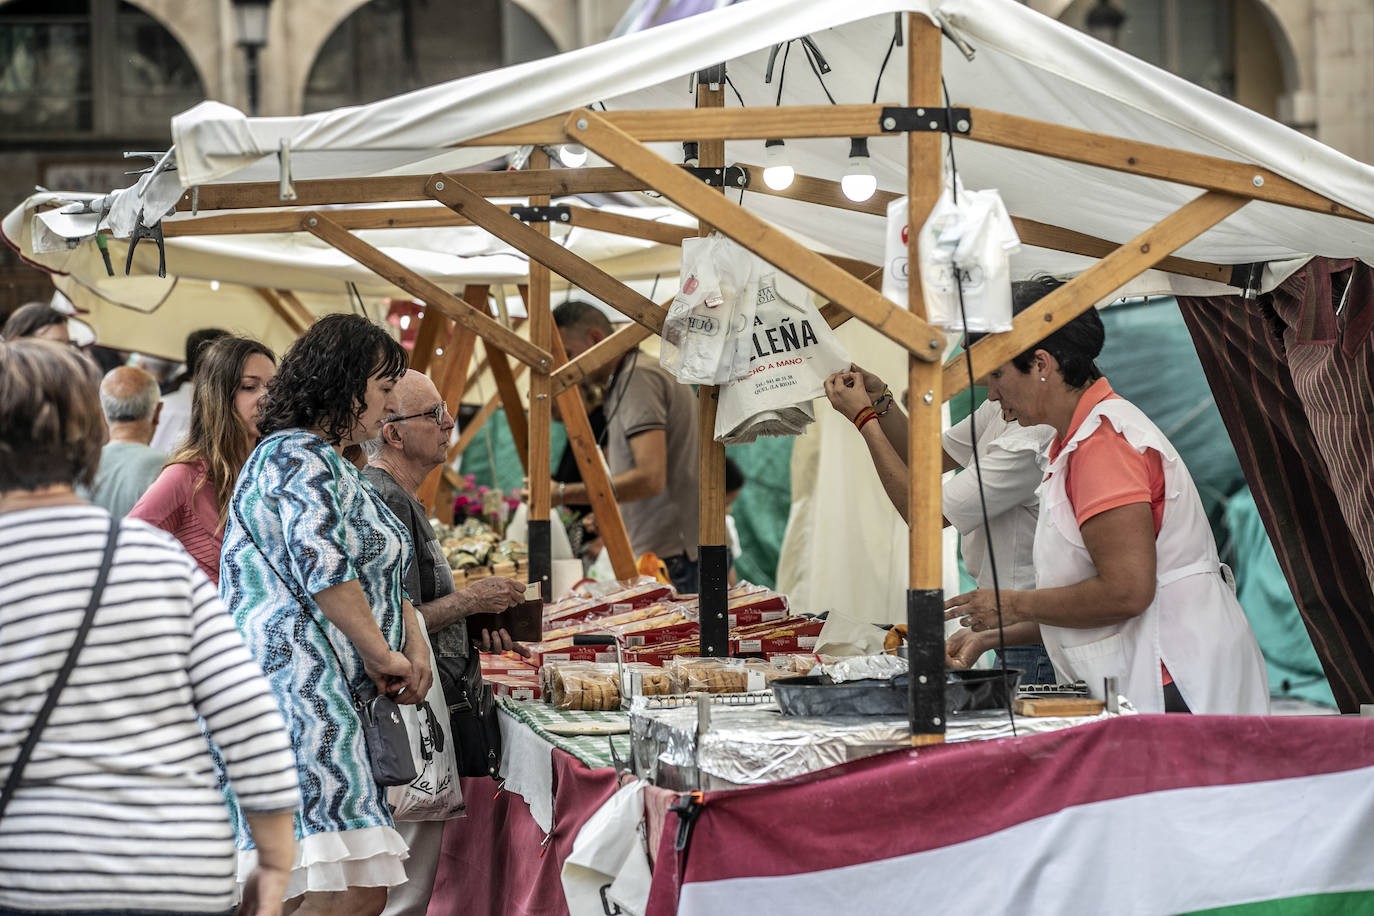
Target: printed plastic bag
703, 334
791, 353
966, 247
434, 794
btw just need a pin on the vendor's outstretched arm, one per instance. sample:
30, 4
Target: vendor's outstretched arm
1121, 542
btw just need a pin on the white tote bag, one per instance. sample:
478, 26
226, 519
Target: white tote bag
792, 352
965, 249
702, 342
434, 793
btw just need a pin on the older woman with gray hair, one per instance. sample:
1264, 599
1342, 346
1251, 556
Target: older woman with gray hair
115, 651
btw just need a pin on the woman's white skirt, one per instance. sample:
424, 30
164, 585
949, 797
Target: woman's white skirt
368, 857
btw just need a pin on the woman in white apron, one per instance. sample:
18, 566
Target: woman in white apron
1128, 583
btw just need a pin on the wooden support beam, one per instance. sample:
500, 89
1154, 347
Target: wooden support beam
534, 240
293, 321
1041, 235
600, 493
482, 364
925, 595
433, 328
434, 296
1094, 284
511, 401
1137, 158
708, 124
753, 233
275, 221
539, 307
330, 191
457, 358
293, 302
712, 553
632, 226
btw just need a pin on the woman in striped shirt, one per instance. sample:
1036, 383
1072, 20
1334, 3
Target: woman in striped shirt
190, 498
117, 810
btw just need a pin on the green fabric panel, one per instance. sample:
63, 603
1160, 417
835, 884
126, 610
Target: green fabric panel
762, 507
1349, 903
494, 442
1264, 594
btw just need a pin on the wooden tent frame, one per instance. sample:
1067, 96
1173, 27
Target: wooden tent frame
849, 286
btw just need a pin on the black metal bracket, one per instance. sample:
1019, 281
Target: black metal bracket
941, 120
141, 231
542, 214
1247, 278
732, 177
713, 75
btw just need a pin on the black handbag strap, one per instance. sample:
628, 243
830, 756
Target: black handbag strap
30, 742
300, 599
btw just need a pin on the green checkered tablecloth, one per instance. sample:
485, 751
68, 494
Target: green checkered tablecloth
592, 750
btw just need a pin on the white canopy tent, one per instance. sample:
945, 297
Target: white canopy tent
1024, 65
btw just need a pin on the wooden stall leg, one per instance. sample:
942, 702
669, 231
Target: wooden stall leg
712, 554
595, 477
541, 335
450, 379
925, 605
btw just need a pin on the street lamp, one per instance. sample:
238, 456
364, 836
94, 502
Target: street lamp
1105, 21
251, 18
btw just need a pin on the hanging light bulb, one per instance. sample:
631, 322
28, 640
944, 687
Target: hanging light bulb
859, 183
572, 155
777, 168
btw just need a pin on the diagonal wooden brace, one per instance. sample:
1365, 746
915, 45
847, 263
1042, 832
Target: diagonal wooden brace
710, 206
1094, 284
449, 190
434, 296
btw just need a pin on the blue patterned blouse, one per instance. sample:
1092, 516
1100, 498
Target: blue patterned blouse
319, 523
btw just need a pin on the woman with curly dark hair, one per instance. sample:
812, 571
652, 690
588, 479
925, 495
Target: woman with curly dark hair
312, 570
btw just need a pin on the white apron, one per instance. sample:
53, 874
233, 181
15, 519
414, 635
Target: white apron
1195, 624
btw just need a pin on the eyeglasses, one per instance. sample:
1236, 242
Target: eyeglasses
435, 413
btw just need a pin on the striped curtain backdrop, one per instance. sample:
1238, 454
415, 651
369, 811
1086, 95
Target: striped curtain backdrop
1290, 371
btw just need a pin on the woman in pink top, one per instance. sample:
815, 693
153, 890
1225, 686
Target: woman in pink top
1128, 584
190, 497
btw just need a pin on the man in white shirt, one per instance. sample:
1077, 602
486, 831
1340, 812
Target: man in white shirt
1012, 461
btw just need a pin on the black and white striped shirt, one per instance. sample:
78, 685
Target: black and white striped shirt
118, 806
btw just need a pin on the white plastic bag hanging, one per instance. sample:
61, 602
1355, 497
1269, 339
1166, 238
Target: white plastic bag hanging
965, 249
434, 793
792, 351
704, 323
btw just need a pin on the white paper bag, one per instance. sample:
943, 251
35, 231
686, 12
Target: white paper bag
965, 248
434, 793
792, 352
701, 332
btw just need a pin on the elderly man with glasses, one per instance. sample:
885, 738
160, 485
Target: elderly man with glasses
413, 442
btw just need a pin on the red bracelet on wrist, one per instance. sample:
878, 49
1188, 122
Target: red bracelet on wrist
863, 416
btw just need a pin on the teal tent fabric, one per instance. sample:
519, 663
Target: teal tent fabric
1294, 669
494, 448
762, 507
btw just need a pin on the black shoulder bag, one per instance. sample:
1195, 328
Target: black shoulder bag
384, 731
472, 715
12, 782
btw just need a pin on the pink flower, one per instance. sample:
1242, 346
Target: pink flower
512, 502
469, 481
482, 489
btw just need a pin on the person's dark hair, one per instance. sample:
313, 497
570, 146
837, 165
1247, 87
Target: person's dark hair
1075, 345
51, 426
322, 380
734, 477
578, 314
196, 342
29, 319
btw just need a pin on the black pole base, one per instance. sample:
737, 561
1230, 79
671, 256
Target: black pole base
925, 634
541, 557
713, 577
